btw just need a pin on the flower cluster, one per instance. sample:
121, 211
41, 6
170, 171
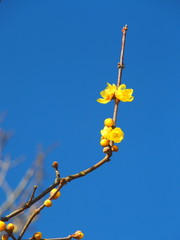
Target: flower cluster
110, 133
121, 93
9, 228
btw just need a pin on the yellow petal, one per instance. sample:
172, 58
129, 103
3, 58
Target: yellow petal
131, 99
104, 101
129, 91
106, 131
111, 88
122, 87
103, 93
124, 95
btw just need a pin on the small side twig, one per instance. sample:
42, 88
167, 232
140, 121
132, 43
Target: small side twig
32, 195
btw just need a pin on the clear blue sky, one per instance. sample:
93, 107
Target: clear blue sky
55, 58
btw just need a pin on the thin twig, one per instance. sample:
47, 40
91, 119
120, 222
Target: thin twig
36, 212
64, 238
32, 195
120, 69
88, 170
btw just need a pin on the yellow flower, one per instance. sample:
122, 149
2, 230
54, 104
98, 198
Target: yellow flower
123, 94
107, 94
116, 135
105, 132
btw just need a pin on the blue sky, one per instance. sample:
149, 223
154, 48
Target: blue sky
55, 58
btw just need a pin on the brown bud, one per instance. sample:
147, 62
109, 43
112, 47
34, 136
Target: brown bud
37, 236
5, 237
107, 150
55, 165
114, 148
10, 227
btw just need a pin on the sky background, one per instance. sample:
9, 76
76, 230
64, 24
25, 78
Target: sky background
55, 58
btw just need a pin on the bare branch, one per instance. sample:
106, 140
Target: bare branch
88, 170
120, 69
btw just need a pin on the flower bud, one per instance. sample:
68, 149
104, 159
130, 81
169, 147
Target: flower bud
104, 142
107, 150
58, 194
78, 235
55, 165
108, 122
48, 203
10, 227
114, 148
37, 236
5, 237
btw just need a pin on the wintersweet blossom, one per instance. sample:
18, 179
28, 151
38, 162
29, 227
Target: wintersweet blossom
105, 132
116, 135
107, 94
123, 94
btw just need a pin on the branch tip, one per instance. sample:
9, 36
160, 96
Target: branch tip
55, 165
125, 28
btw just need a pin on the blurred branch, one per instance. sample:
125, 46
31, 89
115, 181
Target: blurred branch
17, 192
5, 165
34, 200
